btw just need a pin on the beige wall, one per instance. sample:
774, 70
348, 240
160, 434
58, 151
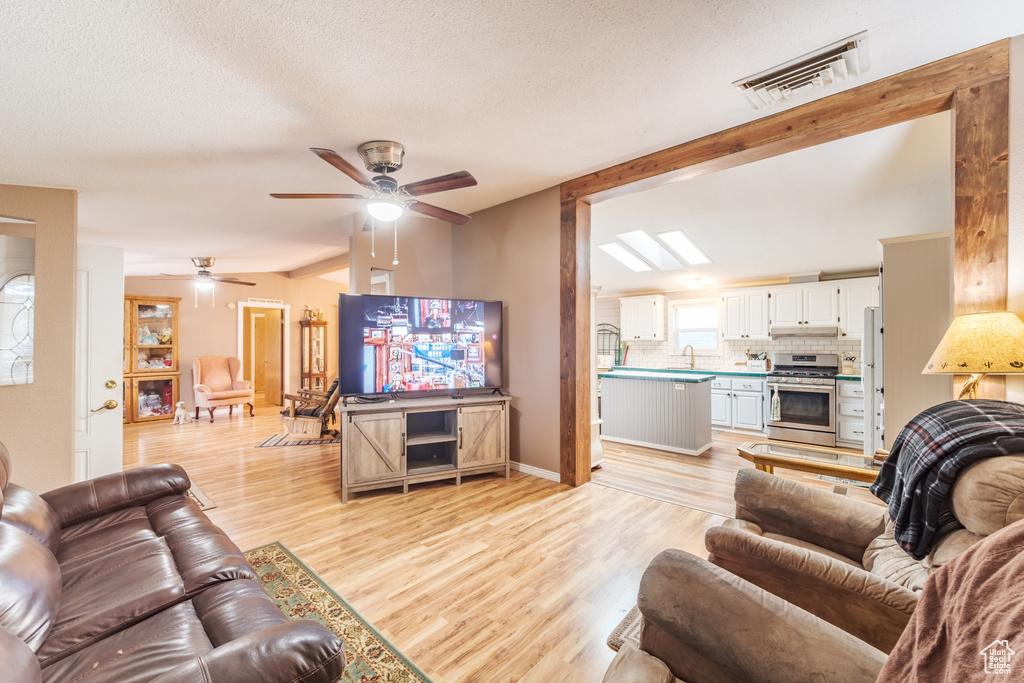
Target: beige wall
424, 256
510, 253
37, 420
1015, 298
213, 330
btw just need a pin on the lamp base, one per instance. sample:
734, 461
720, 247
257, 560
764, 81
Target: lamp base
970, 389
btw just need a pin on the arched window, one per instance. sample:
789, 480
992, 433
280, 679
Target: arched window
17, 317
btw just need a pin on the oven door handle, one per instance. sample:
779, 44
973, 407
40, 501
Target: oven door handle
803, 387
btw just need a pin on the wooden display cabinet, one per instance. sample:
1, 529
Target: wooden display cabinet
418, 440
151, 372
313, 363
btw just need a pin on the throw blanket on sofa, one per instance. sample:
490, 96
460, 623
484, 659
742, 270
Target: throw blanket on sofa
928, 454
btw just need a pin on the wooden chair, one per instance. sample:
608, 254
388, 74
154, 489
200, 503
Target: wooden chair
309, 414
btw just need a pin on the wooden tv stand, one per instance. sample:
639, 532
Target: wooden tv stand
408, 441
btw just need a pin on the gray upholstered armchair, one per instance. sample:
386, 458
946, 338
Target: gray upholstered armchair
837, 558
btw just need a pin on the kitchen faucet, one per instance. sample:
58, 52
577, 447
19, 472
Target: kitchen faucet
688, 346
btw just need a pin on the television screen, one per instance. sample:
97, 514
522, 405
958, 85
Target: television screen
396, 343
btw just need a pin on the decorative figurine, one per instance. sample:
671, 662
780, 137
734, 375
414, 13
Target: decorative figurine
181, 415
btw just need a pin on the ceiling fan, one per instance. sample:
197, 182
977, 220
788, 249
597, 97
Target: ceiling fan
204, 279
387, 200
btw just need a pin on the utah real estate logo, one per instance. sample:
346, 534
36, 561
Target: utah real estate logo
997, 657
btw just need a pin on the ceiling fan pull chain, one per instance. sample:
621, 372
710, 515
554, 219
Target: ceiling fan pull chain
213, 296
196, 290
395, 262
373, 233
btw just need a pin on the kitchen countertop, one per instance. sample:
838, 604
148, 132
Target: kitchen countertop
736, 373
658, 375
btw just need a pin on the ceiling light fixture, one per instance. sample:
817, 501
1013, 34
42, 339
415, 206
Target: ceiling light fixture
694, 282
681, 244
204, 284
619, 253
650, 250
384, 209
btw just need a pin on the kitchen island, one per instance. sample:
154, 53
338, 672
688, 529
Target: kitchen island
664, 409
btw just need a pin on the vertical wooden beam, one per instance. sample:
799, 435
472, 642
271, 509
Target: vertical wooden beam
981, 232
574, 459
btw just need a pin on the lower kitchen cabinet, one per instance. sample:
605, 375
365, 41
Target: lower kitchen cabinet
738, 403
849, 413
417, 440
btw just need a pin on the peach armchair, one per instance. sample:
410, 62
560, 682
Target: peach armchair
218, 382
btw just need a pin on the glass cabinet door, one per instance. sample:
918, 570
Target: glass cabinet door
155, 398
154, 338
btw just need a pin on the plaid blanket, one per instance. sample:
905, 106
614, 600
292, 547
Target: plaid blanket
927, 455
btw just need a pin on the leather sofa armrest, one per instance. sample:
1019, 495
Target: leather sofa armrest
786, 507
298, 651
636, 666
241, 384
870, 607
707, 624
19, 661
88, 499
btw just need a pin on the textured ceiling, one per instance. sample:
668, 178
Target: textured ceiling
176, 119
818, 209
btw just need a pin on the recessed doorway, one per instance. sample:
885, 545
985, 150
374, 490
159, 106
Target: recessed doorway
263, 348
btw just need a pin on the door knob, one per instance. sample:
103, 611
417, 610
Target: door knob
109, 404
110, 384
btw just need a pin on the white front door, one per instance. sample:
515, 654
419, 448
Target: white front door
99, 360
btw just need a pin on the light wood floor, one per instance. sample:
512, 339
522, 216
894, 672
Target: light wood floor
703, 482
496, 580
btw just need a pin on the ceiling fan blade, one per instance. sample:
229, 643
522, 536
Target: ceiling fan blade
233, 281
438, 212
331, 157
279, 195
441, 183
165, 276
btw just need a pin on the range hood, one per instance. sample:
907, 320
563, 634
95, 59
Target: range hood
778, 332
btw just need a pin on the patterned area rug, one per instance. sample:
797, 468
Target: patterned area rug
301, 594
628, 630
283, 440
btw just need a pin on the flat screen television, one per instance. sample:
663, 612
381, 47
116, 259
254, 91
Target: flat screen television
407, 344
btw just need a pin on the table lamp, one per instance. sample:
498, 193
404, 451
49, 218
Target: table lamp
979, 344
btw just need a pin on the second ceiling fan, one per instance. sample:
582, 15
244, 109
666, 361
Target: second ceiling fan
388, 199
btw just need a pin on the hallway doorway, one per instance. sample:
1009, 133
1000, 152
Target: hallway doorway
263, 350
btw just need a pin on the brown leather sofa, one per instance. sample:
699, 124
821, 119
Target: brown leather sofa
123, 578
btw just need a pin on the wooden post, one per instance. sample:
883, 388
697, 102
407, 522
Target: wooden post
574, 432
982, 177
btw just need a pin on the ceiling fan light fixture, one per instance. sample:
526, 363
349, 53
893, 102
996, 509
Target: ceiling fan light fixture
384, 209
204, 284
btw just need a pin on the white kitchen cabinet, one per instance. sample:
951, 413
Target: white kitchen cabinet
642, 318
813, 305
849, 413
745, 315
746, 411
721, 407
854, 297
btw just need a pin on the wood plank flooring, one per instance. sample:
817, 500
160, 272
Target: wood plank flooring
497, 580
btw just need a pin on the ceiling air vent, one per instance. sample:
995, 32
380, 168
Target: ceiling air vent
839, 61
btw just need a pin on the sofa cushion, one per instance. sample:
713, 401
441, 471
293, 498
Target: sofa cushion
107, 592
19, 662
886, 559
636, 666
30, 586
33, 515
106, 533
989, 494
230, 393
811, 546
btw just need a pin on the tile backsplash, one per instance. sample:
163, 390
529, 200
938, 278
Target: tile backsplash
658, 354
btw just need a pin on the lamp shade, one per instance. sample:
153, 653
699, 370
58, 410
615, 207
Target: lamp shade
980, 343
384, 209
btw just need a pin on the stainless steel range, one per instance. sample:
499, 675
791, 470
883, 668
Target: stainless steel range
802, 396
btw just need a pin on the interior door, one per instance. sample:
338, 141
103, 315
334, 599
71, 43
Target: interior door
273, 364
99, 361
259, 352
481, 435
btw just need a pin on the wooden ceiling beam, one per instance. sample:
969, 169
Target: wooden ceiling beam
320, 267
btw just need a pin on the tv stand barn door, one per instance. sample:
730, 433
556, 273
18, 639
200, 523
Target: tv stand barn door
408, 441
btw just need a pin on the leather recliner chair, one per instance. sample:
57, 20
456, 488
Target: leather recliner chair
837, 557
123, 578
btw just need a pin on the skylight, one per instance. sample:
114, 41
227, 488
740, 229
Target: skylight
681, 244
653, 253
619, 253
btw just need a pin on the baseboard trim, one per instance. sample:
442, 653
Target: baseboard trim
536, 471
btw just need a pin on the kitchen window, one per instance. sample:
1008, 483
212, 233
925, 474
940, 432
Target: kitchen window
696, 322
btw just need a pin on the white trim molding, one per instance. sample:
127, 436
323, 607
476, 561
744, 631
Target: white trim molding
268, 303
535, 471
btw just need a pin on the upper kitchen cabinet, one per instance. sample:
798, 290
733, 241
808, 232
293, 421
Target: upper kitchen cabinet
814, 304
642, 318
745, 314
854, 297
